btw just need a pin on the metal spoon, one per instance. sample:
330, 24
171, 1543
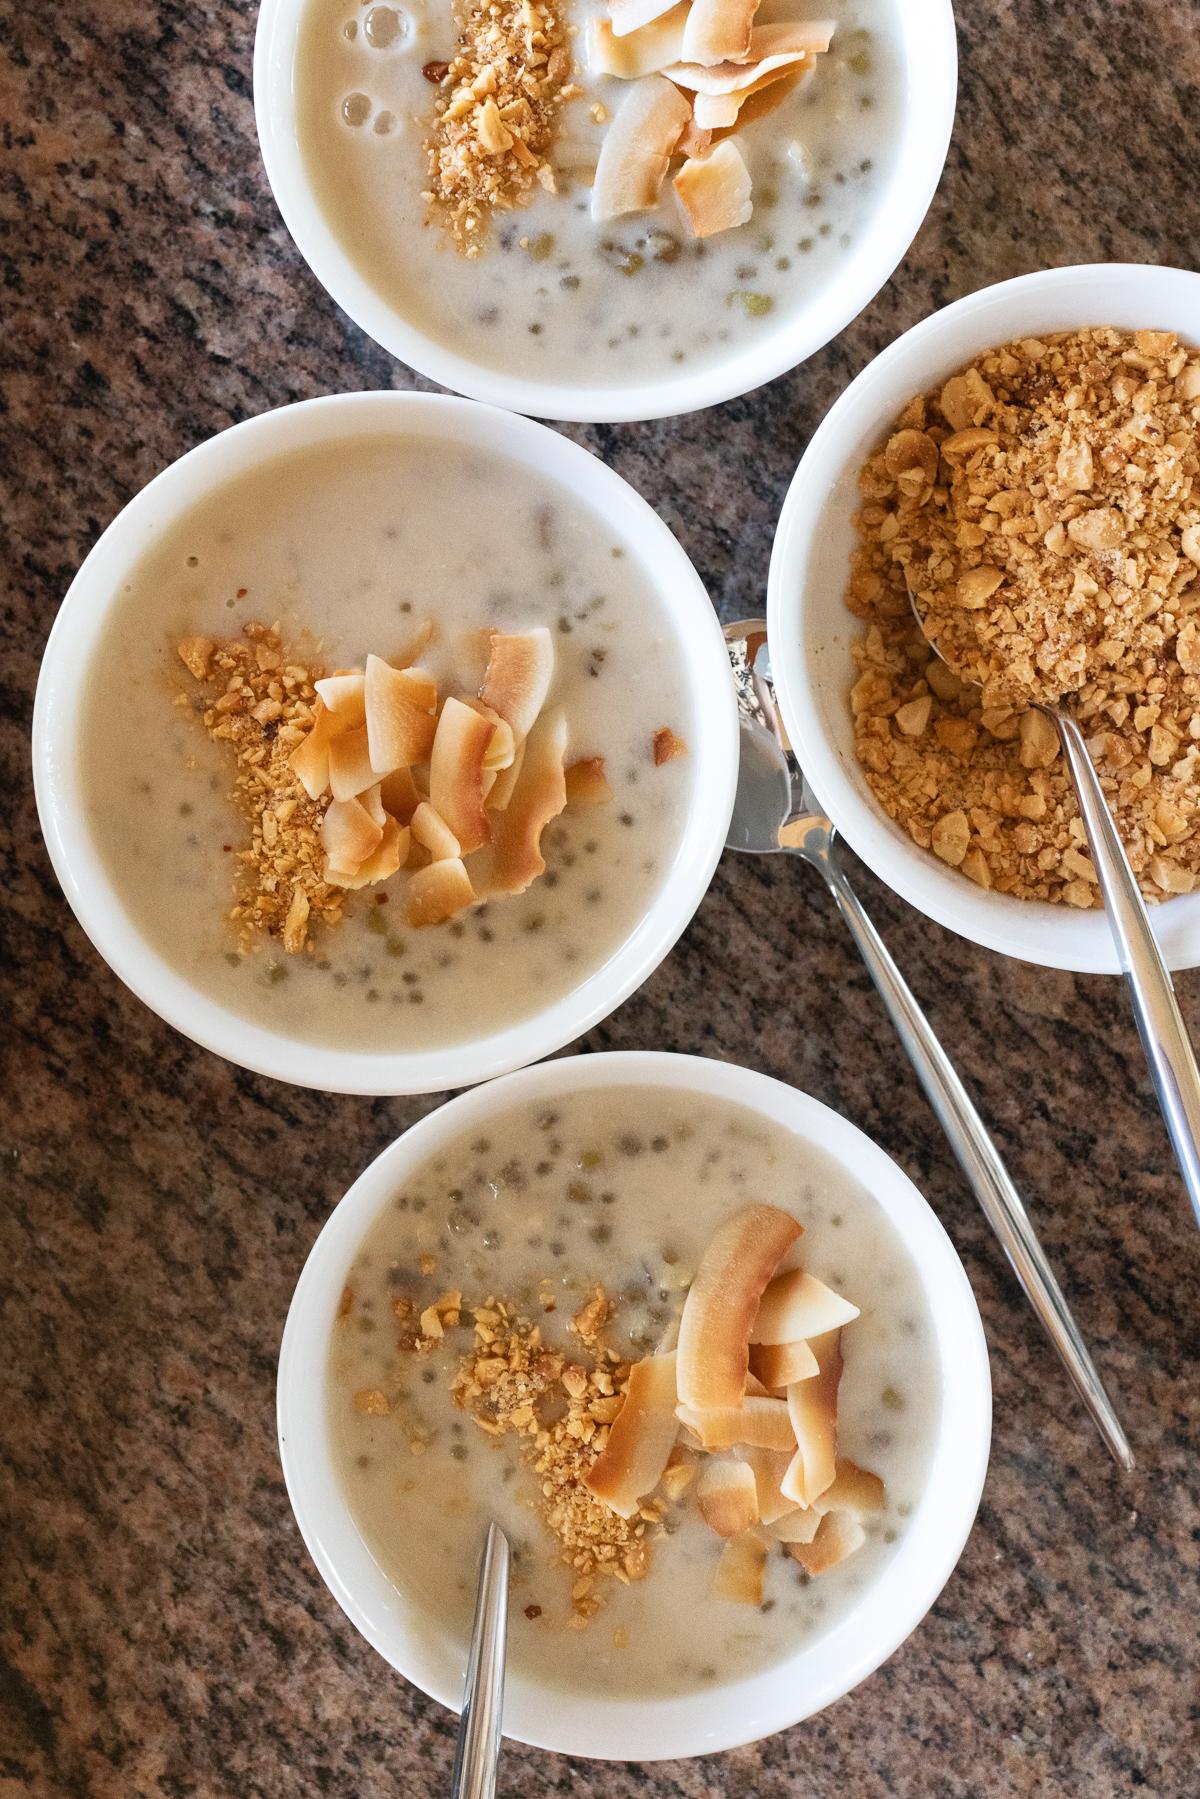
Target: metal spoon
483, 1695
776, 810
1173, 1072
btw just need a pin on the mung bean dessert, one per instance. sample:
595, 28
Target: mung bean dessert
599, 191
386, 744
674, 1349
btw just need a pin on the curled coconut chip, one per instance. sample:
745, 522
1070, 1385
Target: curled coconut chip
399, 707
812, 1408
389, 855
837, 1537
758, 1423
350, 768
643, 52
400, 794
438, 892
587, 783
431, 831
739, 1573
632, 15
714, 190
796, 1306
456, 773
727, 1497
342, 694
778, 1365
538, 797
641, 1438
799, 1525
722, 113
771, 47
718, 31
637, 148
519, 672
504, 786
309, 761
769, 1467
855, 1490
349, 834
723, 1301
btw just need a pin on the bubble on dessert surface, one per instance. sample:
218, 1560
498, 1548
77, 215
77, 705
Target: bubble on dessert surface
356, 109
383, 123
350, 29
384, 26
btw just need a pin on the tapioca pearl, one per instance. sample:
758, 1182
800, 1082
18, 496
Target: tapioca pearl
384, 27
350, 30
383, 123
356, 109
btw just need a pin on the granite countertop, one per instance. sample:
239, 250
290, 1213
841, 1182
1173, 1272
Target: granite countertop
162, 1630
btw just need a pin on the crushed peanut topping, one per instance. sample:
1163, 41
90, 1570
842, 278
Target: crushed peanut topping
513, 1385
497, 114
1044, 509
260, 700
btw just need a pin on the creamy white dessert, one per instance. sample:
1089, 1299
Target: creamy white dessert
367, 548
590, 1219
556, 293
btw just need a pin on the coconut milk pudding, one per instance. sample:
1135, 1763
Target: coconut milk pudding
546, 1326
400, 751
628, 231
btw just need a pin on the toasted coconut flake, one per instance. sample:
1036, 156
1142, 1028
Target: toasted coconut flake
431, 831
796, 1306
718, 31
714, 191
309, 762
519, 672
668, 747
756, 1390
438, 892
800, 1525
723, 1299
371, 798
855, 1490
343, 695
779, 1365
387, 858
641, 52
456, 773
539, 795
640, 1440
812, 1407
399, 704
694, 141
631, 15
769, 1467
503, 787
587, 783
767, 93
350, 770
771, 47
739, 1574
758, 1423
637, 148
677, 1478
715, 112
837, 1537
349, 834
727, 1496
400, 794
416, 646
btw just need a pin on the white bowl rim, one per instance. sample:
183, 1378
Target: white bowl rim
81, 871
914, 174
1030, 931
715, 1719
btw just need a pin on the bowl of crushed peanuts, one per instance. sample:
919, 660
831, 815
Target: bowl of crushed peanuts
699, 1347
385, 742
603, 209
1025, 465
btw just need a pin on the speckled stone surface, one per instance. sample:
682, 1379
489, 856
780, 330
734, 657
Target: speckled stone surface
161, 1628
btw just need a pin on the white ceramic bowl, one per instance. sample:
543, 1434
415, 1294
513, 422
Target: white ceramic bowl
811, 631
717, 1718
930, 75
81, 622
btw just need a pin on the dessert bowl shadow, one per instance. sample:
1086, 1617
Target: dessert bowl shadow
80, 626
811, 629
720, 1716
928, 57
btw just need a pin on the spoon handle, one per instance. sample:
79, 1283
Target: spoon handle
1160, 1024
483, 1696
980, 1161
